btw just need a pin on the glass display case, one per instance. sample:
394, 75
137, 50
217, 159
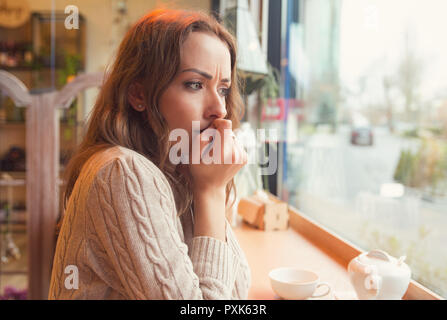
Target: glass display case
27, 53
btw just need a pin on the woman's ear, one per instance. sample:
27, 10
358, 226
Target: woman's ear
135, 96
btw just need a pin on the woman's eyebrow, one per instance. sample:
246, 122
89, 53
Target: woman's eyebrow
203, 73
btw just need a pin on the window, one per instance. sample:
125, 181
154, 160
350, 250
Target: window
364, 92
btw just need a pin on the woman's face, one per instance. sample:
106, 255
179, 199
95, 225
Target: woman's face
198, 91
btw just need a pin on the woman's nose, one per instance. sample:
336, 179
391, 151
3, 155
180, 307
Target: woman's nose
216, 107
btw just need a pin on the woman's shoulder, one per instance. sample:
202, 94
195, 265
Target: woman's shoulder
119, 168
123, 159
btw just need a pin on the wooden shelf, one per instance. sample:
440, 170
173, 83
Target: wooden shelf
30, 68
12, 124
12, 183
16, 175
18, 68
7, 272
22, 124
19, 178
14, 222
20, 183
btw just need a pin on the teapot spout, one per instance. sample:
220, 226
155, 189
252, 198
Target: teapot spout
401, 260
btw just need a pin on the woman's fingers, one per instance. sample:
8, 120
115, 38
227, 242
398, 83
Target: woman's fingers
222, 124
224, 147
221, 158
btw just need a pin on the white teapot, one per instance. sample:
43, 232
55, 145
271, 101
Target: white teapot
376, 275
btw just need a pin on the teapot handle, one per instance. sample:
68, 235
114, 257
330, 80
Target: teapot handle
379, 254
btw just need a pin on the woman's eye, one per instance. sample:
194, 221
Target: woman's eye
224, 91
194, 85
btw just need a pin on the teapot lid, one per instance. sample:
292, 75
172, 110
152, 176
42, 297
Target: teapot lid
385, 263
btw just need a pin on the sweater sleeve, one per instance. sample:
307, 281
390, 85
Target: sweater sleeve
132, 209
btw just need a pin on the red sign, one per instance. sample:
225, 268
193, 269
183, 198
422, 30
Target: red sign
276, 109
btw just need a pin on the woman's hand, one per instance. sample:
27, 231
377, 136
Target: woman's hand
219, 164
211, 177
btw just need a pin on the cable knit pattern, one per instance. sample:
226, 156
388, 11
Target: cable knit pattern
122, 232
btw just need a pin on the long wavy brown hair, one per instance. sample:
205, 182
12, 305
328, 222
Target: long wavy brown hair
150, 53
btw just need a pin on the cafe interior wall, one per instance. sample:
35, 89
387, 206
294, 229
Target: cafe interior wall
102, 37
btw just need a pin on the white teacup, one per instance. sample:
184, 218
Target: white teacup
296, 284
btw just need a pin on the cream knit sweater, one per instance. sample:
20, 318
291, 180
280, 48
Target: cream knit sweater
121, 238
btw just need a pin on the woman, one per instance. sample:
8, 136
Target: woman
137, 226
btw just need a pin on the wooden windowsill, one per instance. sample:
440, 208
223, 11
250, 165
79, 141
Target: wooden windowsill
273, 249
307, 245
